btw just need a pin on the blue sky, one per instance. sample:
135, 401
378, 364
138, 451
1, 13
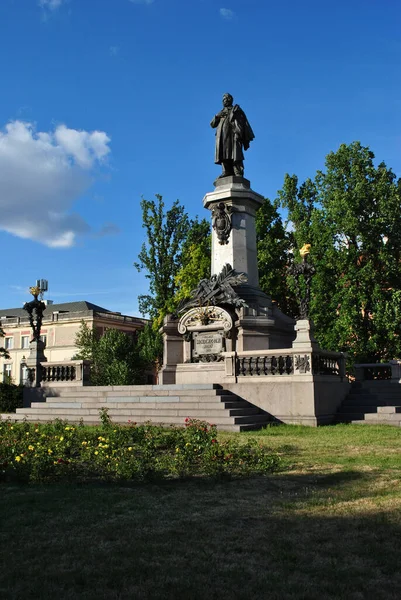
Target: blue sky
105, 101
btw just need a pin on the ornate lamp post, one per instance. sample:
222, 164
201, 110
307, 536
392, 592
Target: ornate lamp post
304, 340
35, 310
306, 270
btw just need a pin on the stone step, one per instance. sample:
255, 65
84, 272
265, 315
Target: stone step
199, 413
346, 408
139, 390
95, 406
369, 401
388, 409
382, 422
110, 400
123, 418
383, 417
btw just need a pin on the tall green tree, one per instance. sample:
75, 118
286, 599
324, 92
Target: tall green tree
160, 255
273, 247
349, 214
195, 258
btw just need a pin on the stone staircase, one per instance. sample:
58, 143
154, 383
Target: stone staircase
159, 404
372, 402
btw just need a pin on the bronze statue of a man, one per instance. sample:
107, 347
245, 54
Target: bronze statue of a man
233, 135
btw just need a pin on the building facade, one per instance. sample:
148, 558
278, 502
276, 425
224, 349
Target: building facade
61, 323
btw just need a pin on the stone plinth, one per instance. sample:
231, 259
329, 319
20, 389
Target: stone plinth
34, 360
240, 249
305, 339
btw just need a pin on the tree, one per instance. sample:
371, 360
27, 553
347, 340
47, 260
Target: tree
195, 258
115, 356
160, 255
350, 215
273, 246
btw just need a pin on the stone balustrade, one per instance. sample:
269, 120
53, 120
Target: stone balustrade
284, 363
379, 371
73, 372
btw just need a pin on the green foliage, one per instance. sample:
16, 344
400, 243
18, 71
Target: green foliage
86, 340
35, 452
273, 246
349, 214
150, 345
10, 397
160, 255
115, 356
195, 259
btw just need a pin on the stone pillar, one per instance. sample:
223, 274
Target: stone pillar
173, 346
34, 360
240, 250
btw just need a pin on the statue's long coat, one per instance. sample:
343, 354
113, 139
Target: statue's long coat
233, 133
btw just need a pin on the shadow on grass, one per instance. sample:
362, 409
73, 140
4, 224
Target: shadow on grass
288, 536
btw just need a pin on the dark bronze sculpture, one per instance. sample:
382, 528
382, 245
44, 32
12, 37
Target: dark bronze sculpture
221, 222
233, 135
35, 310
216, 291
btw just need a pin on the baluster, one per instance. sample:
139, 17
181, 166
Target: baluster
273, 365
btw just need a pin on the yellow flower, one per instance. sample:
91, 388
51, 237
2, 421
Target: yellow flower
61, 438
96, 452
30, 447
27, 433
67, 429
11, 427
130, 449
36, 430
177, 449
187, 444
84, 443
49, 451
17, 458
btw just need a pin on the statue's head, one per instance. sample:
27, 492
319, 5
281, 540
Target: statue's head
228, 100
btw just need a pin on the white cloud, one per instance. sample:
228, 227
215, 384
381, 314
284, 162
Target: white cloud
41, 175
226, 13
51, 4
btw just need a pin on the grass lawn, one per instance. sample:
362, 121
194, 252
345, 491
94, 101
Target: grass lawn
327, 526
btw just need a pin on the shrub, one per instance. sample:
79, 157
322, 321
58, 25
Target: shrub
10, 397
59, 450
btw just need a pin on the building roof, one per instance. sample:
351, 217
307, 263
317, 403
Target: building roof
80, 306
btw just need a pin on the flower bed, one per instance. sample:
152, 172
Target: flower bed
60, 450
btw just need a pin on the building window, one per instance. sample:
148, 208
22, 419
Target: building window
25, 341
44, 339
7, 373
9, 343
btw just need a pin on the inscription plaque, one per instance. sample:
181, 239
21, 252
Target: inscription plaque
208, 343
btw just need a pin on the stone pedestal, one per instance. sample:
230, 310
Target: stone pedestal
240, 250
34, 360
305, 340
